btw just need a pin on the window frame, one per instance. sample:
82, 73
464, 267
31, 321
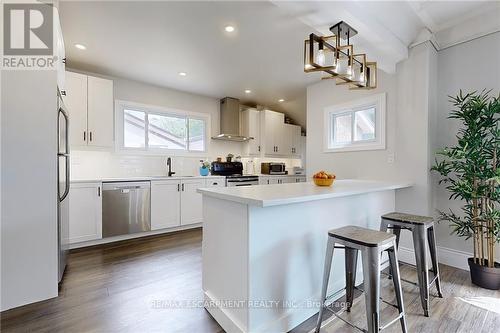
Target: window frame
376, 101
121, 106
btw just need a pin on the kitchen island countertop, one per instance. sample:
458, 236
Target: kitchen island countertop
269, 195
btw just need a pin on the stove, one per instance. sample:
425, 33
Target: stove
234, 174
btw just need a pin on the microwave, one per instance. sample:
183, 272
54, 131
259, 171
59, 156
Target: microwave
273, 168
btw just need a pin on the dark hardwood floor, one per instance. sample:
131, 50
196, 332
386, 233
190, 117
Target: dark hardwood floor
124, 287
153, 285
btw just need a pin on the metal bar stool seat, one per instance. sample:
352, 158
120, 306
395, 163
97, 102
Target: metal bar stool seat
371, 243
422, 229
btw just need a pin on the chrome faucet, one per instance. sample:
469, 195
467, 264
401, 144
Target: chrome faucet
169, 165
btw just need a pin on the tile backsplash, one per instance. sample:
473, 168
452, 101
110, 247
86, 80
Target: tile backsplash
103, 164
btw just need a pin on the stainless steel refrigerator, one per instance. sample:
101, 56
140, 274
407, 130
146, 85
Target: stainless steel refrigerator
63, 182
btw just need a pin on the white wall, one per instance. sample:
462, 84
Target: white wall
469, 66
348, 164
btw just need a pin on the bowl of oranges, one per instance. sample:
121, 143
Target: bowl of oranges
323, 178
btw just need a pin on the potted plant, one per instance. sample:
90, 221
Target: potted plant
229, 158
204, 168
471, 172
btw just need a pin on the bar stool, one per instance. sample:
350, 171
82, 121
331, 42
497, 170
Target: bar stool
371, 243
422, 229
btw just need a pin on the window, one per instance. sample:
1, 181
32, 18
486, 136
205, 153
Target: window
154, 129
357, 125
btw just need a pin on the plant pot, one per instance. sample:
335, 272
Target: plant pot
229, 159
485, 277
204, 171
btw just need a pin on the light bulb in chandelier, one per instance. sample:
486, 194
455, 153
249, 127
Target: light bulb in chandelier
320, 57
349, 71
361, 76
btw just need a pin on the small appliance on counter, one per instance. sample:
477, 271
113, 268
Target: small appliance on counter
271, 168
298, 171
234, 174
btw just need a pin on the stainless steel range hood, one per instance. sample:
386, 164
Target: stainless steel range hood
230, 121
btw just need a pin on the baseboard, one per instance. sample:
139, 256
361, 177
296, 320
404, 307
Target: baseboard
447, 256
132, 236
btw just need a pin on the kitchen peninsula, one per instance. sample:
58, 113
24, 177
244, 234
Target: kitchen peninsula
264, 247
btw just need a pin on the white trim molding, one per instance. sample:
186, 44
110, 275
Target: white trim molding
447, 256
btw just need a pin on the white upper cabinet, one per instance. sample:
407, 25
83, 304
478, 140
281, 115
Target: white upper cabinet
165, 204
100, 112
274, 141
250, 127
89, 101
293, 140
76, 104
191, 201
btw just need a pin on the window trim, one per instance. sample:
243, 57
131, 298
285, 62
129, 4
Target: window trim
379, 102
121, 105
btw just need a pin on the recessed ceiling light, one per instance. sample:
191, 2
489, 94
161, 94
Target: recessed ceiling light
80, 46
229, 28
248, 91
281, 100
182, 73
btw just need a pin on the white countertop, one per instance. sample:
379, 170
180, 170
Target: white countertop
146, 178
139, 178
282, 194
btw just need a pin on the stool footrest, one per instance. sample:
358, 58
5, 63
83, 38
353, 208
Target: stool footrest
347, 322
392, 321
433, 280
383, 300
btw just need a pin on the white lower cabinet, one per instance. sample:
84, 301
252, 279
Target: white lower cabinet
175, 202
276, 180
165, 204
85, 212
191, 201
296, 179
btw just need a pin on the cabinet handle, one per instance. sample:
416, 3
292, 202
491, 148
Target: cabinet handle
84, 136
258, 148
182, 187
90, 137
98, 191
215, 183
178, 187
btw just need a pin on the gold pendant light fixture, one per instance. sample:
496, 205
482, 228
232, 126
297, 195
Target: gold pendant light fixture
335, 56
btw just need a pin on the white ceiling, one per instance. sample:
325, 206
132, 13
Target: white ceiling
153, 41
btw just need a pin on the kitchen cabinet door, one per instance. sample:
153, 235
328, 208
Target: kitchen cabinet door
274, 132
85, 212
165, 204
269, 181
76, 105
250, 127
288, 142
297, 179
296, 140
191, 201
100, 112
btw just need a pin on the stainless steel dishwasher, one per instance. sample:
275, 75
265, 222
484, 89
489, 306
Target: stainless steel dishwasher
126, 207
